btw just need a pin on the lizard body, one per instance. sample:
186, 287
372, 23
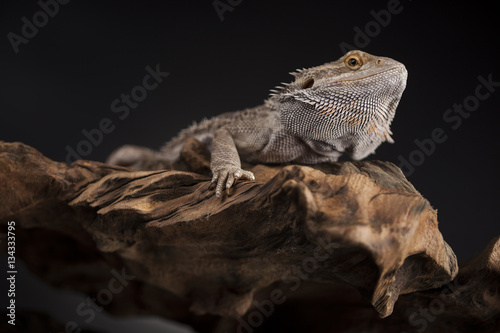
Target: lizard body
345, 106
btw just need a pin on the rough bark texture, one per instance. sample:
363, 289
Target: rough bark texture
326, 248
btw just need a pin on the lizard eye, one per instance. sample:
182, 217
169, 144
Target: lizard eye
353, 62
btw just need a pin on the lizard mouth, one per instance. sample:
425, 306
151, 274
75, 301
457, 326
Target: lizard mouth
394, 71
366, 102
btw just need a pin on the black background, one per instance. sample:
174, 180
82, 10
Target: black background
66, 77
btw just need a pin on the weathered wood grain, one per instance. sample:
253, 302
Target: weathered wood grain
357, 233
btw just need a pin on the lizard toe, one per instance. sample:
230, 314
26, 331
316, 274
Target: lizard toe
247, 175
226, 178
231, 177
221, 180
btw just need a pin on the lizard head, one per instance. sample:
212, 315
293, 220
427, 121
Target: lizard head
354, 96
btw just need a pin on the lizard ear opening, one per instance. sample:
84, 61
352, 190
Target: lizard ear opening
307, 83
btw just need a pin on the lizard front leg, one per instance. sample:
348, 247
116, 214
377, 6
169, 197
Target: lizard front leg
225, 162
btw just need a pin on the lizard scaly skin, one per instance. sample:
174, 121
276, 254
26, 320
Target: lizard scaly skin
345, 106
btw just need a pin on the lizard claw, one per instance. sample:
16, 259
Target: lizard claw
226, 178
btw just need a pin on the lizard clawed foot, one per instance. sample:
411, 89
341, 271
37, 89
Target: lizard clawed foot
227, 176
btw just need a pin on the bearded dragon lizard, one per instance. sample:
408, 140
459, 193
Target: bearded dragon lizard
345, 106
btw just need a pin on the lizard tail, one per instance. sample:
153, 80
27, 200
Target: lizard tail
138, 158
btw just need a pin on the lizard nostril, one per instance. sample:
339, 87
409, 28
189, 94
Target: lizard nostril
380, 62
307, 83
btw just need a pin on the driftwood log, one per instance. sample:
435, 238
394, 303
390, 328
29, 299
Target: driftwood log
341, 247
